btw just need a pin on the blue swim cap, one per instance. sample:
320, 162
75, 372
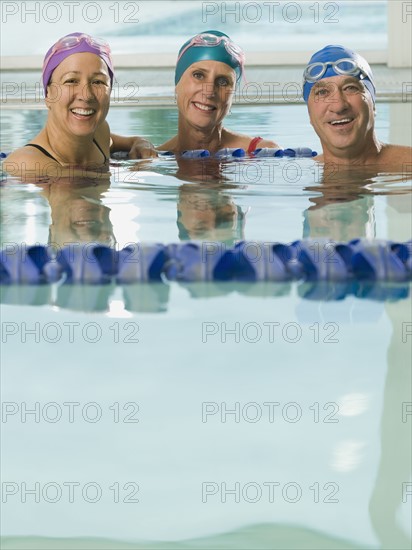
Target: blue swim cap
336, 53
197, 49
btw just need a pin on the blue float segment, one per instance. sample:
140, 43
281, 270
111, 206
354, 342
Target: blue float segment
404, 253
246, 261
27, 265
141, 263
307, 260
322, 260
189, 262
379, 261
234, 265
229, 153
195, 154
298, 152
89, 263
267, 152
269, 261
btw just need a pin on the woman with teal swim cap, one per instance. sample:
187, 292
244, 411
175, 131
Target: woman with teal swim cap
208, 68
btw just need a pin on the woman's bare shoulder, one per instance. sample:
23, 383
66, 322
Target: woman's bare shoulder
169, 145
102, 134
233, 139
31, 160
102, 137
27, 162
268, 143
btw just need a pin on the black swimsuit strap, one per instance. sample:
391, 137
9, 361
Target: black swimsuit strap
43, 150
100, 149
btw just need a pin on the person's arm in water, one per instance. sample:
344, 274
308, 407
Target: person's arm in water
137, 147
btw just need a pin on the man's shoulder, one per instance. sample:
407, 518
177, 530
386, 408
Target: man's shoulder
399, 154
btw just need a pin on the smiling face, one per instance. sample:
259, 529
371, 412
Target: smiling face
204, 94
341, 112
78, 94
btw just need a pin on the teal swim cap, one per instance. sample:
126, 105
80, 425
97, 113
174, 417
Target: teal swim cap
213, 46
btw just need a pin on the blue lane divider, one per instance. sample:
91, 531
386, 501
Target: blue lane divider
295, 152
248, 261
237, 153
231, 153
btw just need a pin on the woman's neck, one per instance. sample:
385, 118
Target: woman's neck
68, 149
189, 138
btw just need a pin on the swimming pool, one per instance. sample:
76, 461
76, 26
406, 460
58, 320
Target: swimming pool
206, 415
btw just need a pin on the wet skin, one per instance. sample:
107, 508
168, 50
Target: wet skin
341, 112
78, 95
204, 95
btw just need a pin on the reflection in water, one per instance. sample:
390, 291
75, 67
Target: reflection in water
204, 210
392, 490
77, 212
342, 207
342, 200
208, 214
330, 215
342, 204
331, 220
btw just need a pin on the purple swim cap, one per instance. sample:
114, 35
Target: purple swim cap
70, 44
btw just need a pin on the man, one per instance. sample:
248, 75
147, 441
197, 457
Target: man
339, 90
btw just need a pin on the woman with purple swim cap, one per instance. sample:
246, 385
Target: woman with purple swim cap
339, 89
77, 78
208, 68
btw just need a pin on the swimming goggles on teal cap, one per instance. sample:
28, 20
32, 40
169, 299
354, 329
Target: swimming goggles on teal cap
210, 45
337, 61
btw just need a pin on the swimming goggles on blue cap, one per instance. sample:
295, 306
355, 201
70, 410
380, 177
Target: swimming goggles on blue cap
346, 66
337, 60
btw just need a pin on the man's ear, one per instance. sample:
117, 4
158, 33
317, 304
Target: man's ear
310, 118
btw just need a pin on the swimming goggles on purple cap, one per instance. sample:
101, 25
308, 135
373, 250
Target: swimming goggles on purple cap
345, 66
71, 41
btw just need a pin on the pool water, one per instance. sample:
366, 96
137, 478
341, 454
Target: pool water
265, 199
206, 415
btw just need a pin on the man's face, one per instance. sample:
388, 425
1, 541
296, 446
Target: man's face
341, 112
